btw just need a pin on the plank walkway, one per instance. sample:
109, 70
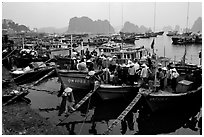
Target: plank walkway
123, 114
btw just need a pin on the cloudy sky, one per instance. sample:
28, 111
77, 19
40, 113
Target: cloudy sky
58, 14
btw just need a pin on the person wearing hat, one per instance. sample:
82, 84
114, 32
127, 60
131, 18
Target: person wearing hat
144, 73
82, 66
161, 78
90, 65
67, 101
168, 74
174, 76
137, 68
112, 65
164, 69
131, 72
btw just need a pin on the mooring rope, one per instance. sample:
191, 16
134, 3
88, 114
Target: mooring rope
8, 54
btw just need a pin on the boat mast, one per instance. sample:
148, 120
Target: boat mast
154, 22
184, 56
23, 42
122, 28
71, 46
187, 18
155, 76
154, 14
109, 19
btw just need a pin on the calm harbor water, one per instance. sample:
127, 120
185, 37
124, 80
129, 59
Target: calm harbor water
104, 113
164, 47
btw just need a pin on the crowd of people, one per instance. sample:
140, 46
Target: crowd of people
127, 71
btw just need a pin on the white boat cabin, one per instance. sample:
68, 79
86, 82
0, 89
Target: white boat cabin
131, 53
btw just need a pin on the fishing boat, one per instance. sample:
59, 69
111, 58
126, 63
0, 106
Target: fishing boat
164, 101
160, 33
82, 84
108, 48
131, 53
172, 33
22, 76
188, 91
75, 79
78, 81
111, 92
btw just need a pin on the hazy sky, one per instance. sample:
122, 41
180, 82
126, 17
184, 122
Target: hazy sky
58, 14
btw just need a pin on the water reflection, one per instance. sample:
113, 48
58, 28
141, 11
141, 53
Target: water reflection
95, 116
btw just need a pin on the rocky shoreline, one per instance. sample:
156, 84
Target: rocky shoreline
19, 119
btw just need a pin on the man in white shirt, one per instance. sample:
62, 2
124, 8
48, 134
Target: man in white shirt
136, 68
144, 73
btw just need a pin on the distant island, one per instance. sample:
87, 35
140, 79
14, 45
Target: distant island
87, 25
132, 28
12, 27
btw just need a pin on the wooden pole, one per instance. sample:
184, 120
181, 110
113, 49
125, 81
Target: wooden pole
48, 74
71, 47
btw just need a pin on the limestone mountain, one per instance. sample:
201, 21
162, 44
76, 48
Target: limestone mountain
11, 27
197, 26
87, 25
132, 28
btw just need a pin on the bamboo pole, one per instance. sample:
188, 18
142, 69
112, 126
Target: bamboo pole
48, 74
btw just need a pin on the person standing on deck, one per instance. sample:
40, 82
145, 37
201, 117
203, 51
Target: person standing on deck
131, 72
161, 78
164, 69
90, 65
168, 74
174, 76
87, 54
137, 67
144, 73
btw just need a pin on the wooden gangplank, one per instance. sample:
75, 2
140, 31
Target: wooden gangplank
123, 114
84, 99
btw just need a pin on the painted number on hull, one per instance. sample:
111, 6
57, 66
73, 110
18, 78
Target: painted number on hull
77, 81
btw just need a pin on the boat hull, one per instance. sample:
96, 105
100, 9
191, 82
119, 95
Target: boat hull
31, 76
77, 81
174, 102
110, 92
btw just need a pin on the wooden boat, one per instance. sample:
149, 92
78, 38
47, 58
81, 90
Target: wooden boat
77, 80
81, 86
188, 94
31, 76
74, 79
172, 33
110, 92
166, 101
160, 33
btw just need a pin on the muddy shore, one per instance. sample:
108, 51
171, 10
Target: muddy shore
19, 119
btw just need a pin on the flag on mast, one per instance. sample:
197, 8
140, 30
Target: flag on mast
152, 45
